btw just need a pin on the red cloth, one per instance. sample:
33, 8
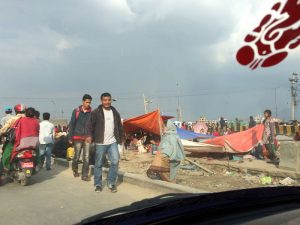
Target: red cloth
216, 134
25, 128
78, 138
151, 122
240, 142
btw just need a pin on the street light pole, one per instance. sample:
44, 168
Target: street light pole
146, 103
293, 80
55, 108
179, 116
276, 111
62, 113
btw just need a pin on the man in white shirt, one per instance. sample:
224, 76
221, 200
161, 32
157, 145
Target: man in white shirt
105, 128
46, 139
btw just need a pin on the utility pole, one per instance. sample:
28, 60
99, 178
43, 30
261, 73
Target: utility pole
62, 113
293, 80
275, 96
55, 108
146, 103
179, 115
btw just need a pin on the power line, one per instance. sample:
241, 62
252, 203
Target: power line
206, 92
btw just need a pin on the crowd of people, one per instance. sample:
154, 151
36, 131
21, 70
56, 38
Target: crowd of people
97, 134
216, 128
40, 135
102, 127
266, 150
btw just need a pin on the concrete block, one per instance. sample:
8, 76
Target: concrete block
289, 130
281, 129
297, 128
290, 155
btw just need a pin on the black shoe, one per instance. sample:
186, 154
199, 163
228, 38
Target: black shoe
113, 188
98, 189
48, 169
85, 178
273, 161
76, 174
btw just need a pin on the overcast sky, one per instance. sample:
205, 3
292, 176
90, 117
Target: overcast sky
53, 52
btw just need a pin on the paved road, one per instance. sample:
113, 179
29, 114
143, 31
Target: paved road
56, 197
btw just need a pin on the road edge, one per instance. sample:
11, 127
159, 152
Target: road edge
142, 181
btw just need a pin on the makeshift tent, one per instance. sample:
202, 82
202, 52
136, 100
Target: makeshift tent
239, 142
164, 117
151, 122
200, 147
200, 126
188, 135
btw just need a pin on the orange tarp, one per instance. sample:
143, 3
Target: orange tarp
151, 122
239, 142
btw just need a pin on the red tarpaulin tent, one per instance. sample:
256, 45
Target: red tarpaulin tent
239, 142
151, 122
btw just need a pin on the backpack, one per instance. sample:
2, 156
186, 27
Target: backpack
77, 113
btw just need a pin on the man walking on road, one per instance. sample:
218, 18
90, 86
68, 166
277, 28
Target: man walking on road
78, 136
106, 129
46, 139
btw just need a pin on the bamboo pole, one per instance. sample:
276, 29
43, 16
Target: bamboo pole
201, 167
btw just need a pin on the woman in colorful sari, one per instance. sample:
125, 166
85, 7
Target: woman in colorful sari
169, 156
269, 137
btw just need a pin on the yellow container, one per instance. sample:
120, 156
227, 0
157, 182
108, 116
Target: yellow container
70, 153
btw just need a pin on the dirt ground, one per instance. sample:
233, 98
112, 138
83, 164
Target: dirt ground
222, 180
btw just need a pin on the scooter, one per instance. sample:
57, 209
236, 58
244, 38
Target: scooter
23, 166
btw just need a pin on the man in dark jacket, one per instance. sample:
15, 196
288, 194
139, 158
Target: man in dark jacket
222, 125
252, 122
79, 136
106, 130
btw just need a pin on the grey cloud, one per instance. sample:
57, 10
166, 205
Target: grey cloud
63, 49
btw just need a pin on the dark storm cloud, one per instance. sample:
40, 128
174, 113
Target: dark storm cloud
63, 49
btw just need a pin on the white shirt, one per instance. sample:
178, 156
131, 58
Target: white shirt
46, 132
5, 119
109, 127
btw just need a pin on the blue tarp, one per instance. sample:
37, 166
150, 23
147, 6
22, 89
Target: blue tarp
188, 135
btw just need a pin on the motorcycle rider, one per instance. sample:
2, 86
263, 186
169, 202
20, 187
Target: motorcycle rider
26, 133
8, 147
20, 112
8, 112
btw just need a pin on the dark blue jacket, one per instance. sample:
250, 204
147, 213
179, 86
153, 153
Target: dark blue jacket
78, 123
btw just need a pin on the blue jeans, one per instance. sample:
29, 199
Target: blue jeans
113, 156
45, 152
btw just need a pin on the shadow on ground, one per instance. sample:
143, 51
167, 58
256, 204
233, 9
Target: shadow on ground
40, 177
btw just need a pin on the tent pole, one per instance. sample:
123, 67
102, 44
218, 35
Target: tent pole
159, 122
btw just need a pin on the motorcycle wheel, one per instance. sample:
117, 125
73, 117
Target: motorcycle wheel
16, 180
24, 181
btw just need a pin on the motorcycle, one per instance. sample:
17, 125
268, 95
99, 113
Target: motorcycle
23, 166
